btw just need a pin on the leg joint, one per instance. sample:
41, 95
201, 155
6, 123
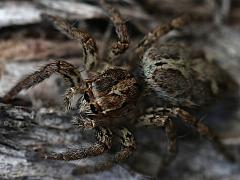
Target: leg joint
104, 136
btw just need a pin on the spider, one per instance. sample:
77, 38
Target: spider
170, 78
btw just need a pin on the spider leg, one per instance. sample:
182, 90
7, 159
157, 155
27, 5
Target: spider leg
69, 72
122, 43
88, 43
203, 130
150, 38
160, 117
104, 138
128, 146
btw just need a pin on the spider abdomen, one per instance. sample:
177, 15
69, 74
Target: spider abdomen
180, 78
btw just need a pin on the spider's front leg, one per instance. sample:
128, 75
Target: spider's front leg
128, 146
104, 138
88, 43
122, 43
69, 72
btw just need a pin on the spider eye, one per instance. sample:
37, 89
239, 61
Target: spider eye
86, 97
93, 109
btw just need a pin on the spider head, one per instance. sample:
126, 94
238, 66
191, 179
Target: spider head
111, 95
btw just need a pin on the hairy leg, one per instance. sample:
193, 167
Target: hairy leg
160, 117
69, 72
104, 138
203, 130
128, 146
89, 45
122, 43
159, 31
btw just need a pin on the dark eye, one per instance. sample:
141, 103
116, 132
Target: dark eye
94, 109
86, 97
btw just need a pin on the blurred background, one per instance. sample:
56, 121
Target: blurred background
27, 42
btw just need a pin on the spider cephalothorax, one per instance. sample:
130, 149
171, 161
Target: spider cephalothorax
110, 96
174, 77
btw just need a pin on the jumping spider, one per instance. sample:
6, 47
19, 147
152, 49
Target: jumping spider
177, 77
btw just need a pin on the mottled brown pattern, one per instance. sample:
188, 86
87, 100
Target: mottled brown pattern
67, 70
113, 90
104, 136
116, 98
159, 31
110, 78
172, 81
188, 79
89, 45
122, 43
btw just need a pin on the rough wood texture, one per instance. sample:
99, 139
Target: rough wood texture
25, 49
24, 131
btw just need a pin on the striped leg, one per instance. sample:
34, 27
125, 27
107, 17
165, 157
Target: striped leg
104, 138
69, 72
159, 31
161, 117
203, 130
122, 43
89, 45
128, 146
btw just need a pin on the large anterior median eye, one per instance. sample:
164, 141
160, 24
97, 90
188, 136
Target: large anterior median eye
86, 96
93, 109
